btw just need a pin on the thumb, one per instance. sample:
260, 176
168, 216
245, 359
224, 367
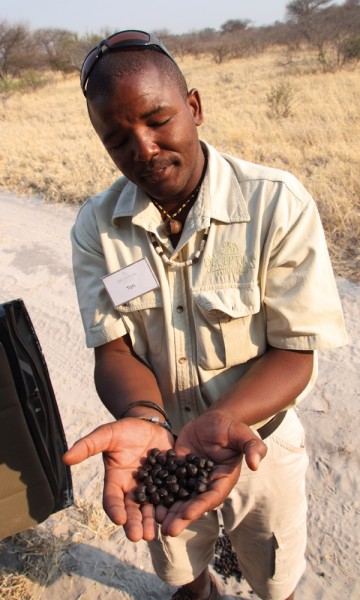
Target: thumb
254, 450
96, 442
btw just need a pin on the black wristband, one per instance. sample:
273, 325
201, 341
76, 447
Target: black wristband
149, 405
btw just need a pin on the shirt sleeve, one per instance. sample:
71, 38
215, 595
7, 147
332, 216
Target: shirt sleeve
302, 304
102, 322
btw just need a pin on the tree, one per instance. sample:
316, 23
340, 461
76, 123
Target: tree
16, 49
303, 9
234, 25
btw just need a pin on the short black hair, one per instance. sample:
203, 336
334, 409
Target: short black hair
114, 65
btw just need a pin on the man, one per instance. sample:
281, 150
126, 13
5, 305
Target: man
204, 286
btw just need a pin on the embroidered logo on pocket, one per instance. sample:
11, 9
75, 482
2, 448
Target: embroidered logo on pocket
230, 258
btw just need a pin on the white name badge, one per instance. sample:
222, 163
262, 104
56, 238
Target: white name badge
130, 282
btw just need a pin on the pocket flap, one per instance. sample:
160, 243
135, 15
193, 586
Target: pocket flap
151, 299
232, 302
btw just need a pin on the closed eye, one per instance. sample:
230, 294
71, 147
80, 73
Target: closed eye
159, 123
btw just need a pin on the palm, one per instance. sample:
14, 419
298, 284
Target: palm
213, 435
124, 445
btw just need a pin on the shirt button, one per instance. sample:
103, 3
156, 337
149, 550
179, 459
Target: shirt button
182, 360
179, 309
187, 408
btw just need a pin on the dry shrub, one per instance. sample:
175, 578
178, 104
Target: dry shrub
48, 147
90, 517
37, 557
32, 560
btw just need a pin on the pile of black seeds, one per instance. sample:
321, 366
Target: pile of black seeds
225, 560
165, 478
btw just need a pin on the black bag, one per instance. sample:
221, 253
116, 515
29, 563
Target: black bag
34, 482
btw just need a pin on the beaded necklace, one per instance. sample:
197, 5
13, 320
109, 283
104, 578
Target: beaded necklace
174, 226
178, 264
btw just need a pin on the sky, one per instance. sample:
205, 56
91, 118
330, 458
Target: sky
183, 16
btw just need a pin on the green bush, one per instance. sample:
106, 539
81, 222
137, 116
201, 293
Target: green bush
351, 49
26, 82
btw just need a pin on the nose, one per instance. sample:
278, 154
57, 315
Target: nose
144, 146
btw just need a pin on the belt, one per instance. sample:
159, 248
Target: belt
271, 425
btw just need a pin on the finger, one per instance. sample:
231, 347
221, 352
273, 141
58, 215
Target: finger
160, 513
181, 514
140, 523
149, 522
254, 451
243, 439
113, 498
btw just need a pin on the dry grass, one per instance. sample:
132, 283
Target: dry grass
30, 561
37, 557
47, 145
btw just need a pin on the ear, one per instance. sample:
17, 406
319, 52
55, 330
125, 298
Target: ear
194, 103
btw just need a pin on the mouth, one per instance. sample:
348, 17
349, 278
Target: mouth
157, 173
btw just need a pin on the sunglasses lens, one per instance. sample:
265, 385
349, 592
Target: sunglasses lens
126, 36
123, 39
87, 66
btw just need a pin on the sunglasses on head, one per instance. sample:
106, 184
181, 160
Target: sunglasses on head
132, 38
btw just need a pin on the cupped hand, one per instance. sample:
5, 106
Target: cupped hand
124, 444
215, 435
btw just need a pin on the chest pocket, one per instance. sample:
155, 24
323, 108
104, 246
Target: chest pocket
229, 325
144, 321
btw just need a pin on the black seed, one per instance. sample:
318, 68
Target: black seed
202, 473
200, 487
191, 470
163, 477
180, 472
203, 480
182, 493
155, 452
171, 479
141, 497
161, 459
200, 462
163, 474
225, 560
155, 498
191, 483
142, 473
168, 501
174, 488
172, 468
156, 469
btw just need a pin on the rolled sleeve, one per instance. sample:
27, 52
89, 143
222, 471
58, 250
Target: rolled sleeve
102, 323
301, 299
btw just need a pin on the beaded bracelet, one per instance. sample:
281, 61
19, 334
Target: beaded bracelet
149, 405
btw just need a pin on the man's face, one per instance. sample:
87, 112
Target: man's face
149, 130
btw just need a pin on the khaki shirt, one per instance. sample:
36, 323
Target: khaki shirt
264, 278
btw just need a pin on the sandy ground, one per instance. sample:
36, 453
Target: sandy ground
99, 562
